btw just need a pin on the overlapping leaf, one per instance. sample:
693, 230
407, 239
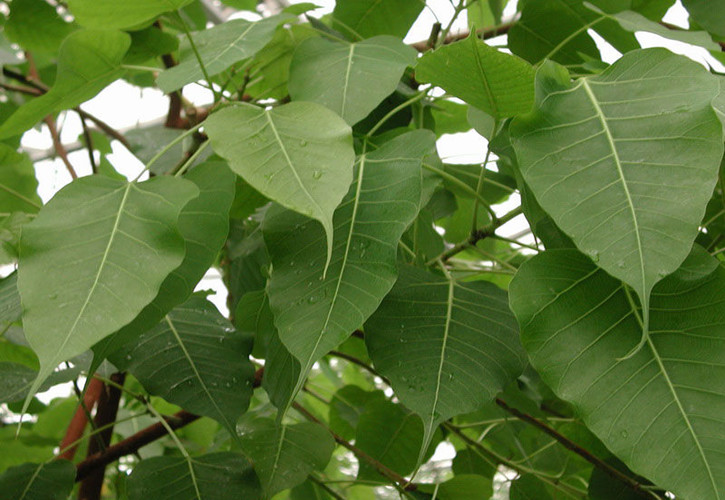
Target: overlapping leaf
110, 245
18, 185
299, 155
284, 455
26, 16
659, 411
710, 14
314, 313
367, 18
88, 60
350, 79
447, 347
109, 15
500, 84
220, 47
204, 224
623, 163
218, 476
48, 481
194, 358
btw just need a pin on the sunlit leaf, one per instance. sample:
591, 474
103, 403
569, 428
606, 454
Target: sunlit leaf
108, 14
367, 18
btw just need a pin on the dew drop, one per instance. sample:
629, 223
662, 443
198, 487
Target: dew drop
594, 255
312, 299
624, 434
303, 143
317, 174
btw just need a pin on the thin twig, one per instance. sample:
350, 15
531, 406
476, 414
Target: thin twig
58, 146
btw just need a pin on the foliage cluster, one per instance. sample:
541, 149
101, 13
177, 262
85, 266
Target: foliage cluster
376, 308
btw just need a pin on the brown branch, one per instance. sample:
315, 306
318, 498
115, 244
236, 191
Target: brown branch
58, 146
572, 446
104, 127
23, 90
133, 443
78, 422
89, 144
107, 408
484, 34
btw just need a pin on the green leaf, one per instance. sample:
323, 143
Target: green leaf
285, 455
603, 487
313, 312
576, 321
464, 487
710, 14
147, 141
36, 26
391, 435
346, 407
350, 79
220, 47
18, 185
88, 60
281, 372
500, 84
447, 347
204, 224
472, 461
111, 245
48, 481
107, 14
15, 381
194, 358
299, 154
219, 476
148, 44
367, 18
529, 487
624, 164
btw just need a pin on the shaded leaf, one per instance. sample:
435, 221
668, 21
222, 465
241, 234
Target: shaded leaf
367, 18
216, 476
350, 79
107, 14
447, 347
116, 241
285, 455
220, 47
88, 60
194, 358
346, 407
499, 84
464, 487
623, 164
299, 154
314, 313
48, 481
660, 410
10, 308
528, 487
710, 14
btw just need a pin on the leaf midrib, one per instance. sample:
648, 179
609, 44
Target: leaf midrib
104, 260
685, 417
620, 173
446, 330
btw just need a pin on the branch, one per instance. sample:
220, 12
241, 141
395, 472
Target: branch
90, 488
79, 420
58, 145
393, 476
572, 446
485, 34
140, 439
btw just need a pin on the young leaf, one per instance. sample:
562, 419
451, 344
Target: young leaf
88, 60
220, 47
500, 84
204, 224
624, 164
106, 14
26, 16
659, 411
367, 18
447, 347
47, 481
313, 312
284, 455
110, 244
194, 358
350, 79
221, 476
299, 155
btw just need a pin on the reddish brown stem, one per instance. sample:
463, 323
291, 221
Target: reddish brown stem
79, 420
107, 408
58, 145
